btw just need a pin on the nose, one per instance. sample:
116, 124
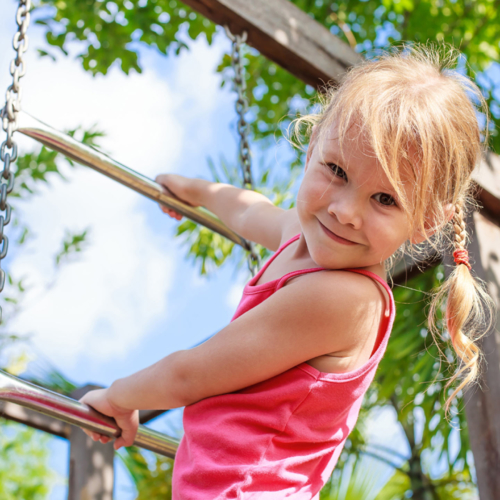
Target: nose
347, 210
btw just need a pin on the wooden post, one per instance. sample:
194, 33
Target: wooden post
91, 468
482, 404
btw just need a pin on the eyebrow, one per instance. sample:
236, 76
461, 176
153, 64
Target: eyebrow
386, 189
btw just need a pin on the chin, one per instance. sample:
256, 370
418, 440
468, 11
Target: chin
330, 260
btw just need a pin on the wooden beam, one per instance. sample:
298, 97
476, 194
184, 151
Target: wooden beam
288, 36
487, 176
148, 415
284, 34
34, 419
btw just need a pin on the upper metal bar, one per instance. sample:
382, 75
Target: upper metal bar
57, 141
73, 412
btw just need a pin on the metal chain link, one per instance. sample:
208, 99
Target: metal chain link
239, 86
8, 115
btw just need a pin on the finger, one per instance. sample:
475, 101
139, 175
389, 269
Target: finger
89, 434
92, 435
175, 215
126, 438
129, 425
95, 436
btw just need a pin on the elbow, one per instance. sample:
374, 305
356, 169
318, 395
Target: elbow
183, 386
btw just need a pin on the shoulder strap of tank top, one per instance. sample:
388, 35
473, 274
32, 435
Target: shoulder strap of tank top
374, 276
377, 278
275, 254
291, 240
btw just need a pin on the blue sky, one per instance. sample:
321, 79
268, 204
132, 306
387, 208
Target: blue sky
131, 297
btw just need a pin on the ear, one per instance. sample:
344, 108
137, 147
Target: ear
312, 143
418, 237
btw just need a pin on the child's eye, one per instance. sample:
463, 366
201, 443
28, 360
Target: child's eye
385, 199
337, 170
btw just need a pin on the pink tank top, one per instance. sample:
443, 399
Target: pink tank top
280, 438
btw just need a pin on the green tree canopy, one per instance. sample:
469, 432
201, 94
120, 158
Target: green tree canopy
111, 31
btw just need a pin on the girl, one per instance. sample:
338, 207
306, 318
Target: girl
271, 398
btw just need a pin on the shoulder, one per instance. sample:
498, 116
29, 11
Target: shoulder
350, 303
344, 286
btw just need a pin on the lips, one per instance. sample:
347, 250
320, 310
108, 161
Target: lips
336, 237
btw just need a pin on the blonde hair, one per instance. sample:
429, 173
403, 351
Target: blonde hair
417, 111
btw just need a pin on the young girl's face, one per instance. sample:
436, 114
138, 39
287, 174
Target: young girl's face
351, 197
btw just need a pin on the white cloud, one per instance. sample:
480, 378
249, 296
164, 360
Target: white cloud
104, 304
234, 295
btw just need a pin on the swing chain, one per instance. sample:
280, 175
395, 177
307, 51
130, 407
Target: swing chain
239, 86
8, 115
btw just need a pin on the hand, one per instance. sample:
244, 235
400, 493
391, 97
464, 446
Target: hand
172, 213
178, 186
127, 420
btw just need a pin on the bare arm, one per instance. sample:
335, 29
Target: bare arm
322, 314
248, 213
325, 313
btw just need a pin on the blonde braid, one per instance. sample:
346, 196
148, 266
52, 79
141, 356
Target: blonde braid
459, 227
465, 311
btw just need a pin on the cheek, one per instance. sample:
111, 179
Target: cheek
389, 232
315, 189
308, 194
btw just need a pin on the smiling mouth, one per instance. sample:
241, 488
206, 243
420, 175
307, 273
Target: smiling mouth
336, 237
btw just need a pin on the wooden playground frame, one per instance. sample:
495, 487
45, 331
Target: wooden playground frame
289, 37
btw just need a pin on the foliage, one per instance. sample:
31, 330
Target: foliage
356, 480
110, 29
410, 378
211, 250
72, 243
24, 469
153, 479
111, 32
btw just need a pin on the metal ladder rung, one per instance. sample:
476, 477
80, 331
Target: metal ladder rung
90, 157
68, 410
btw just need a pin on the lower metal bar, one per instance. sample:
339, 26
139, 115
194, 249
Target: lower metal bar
85, 155
73, 412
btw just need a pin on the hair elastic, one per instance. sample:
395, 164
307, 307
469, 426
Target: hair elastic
461, 256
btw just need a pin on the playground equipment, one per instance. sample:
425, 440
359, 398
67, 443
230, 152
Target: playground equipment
72, 412
289, 37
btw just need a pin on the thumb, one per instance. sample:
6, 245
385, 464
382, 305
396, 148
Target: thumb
128, 425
